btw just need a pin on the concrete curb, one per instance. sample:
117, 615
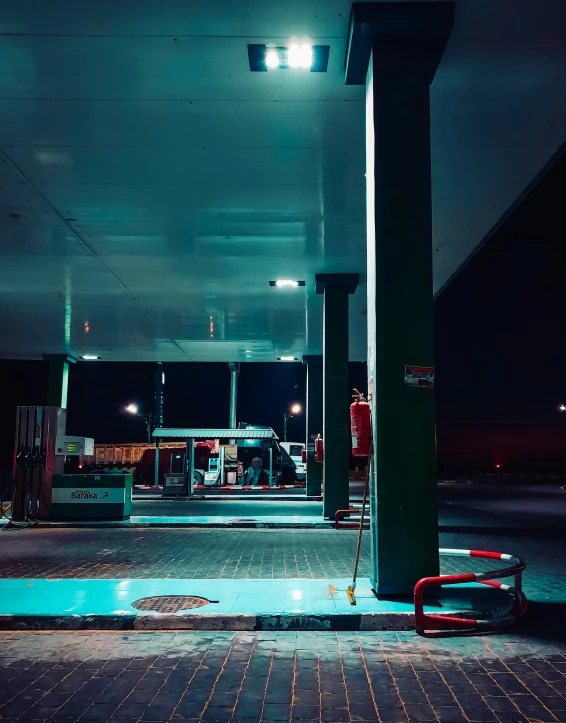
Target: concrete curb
224, 621
235, 524
247, 498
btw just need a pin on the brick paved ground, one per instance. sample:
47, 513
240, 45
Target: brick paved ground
179, 553
243, 553
188, 553
305, 676
90, 676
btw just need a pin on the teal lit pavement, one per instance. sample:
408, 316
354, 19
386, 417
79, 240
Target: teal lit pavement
273, 521
280, 604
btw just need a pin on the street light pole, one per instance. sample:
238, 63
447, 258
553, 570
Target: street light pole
285, 418
147, 419
295, 409
133, 409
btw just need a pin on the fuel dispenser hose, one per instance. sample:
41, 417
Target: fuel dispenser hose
11, 524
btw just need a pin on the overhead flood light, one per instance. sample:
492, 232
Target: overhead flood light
289, 283
287, 358
297, 56
272, 59
286, 282
89, 357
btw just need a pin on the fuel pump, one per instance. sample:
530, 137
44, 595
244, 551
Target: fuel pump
40, 449
34, 461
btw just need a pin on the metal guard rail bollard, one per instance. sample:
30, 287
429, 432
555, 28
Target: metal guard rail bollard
340, 525
429, 621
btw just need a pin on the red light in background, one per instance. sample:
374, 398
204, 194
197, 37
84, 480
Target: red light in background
497, 466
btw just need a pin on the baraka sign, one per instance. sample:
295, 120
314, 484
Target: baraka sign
88, 495
66, 495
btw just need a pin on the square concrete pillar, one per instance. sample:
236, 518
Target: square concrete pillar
314, 422
394, 49
336, 392
58, 382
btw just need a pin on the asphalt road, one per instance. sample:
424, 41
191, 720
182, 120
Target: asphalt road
534, 505
228, 507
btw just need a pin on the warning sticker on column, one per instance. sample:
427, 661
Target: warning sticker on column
419, 377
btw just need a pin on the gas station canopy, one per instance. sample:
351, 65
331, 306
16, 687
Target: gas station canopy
183, 433
152, 185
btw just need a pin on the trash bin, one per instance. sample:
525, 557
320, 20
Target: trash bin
91, 496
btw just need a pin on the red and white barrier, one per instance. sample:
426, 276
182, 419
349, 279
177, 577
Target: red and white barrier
428, 621
239, 488
353, 514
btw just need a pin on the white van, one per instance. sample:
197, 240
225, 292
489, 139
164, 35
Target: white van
295, 451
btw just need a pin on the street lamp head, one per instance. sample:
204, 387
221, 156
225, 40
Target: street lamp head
132, 408
562, 408
296, 409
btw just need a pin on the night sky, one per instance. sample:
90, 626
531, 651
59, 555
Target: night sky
501, 342
500, 361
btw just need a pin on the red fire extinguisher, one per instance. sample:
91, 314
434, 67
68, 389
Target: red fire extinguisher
360, 424
319, 449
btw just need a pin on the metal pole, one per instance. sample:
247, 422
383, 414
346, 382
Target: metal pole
190, 457
271, 465
285, 427
233, 397
156, 481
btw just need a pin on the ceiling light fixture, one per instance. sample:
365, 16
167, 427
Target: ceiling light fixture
272, 59
287, 358
297, 56
286, 282
289, 283
89, 357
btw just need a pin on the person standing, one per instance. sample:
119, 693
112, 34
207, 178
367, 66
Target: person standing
254, 471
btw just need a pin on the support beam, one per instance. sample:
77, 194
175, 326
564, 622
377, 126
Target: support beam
336, 393
394, 48
158, 386
58, 381
234, 374
313, 422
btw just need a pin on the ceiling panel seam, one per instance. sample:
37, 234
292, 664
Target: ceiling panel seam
10, 163
163, 35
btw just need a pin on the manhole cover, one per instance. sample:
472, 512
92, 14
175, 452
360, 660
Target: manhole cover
170, 603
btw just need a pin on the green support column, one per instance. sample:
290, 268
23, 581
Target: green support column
58, 381
336, 392
314, 422
404, 43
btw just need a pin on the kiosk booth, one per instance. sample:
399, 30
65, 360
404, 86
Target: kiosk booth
181, 483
